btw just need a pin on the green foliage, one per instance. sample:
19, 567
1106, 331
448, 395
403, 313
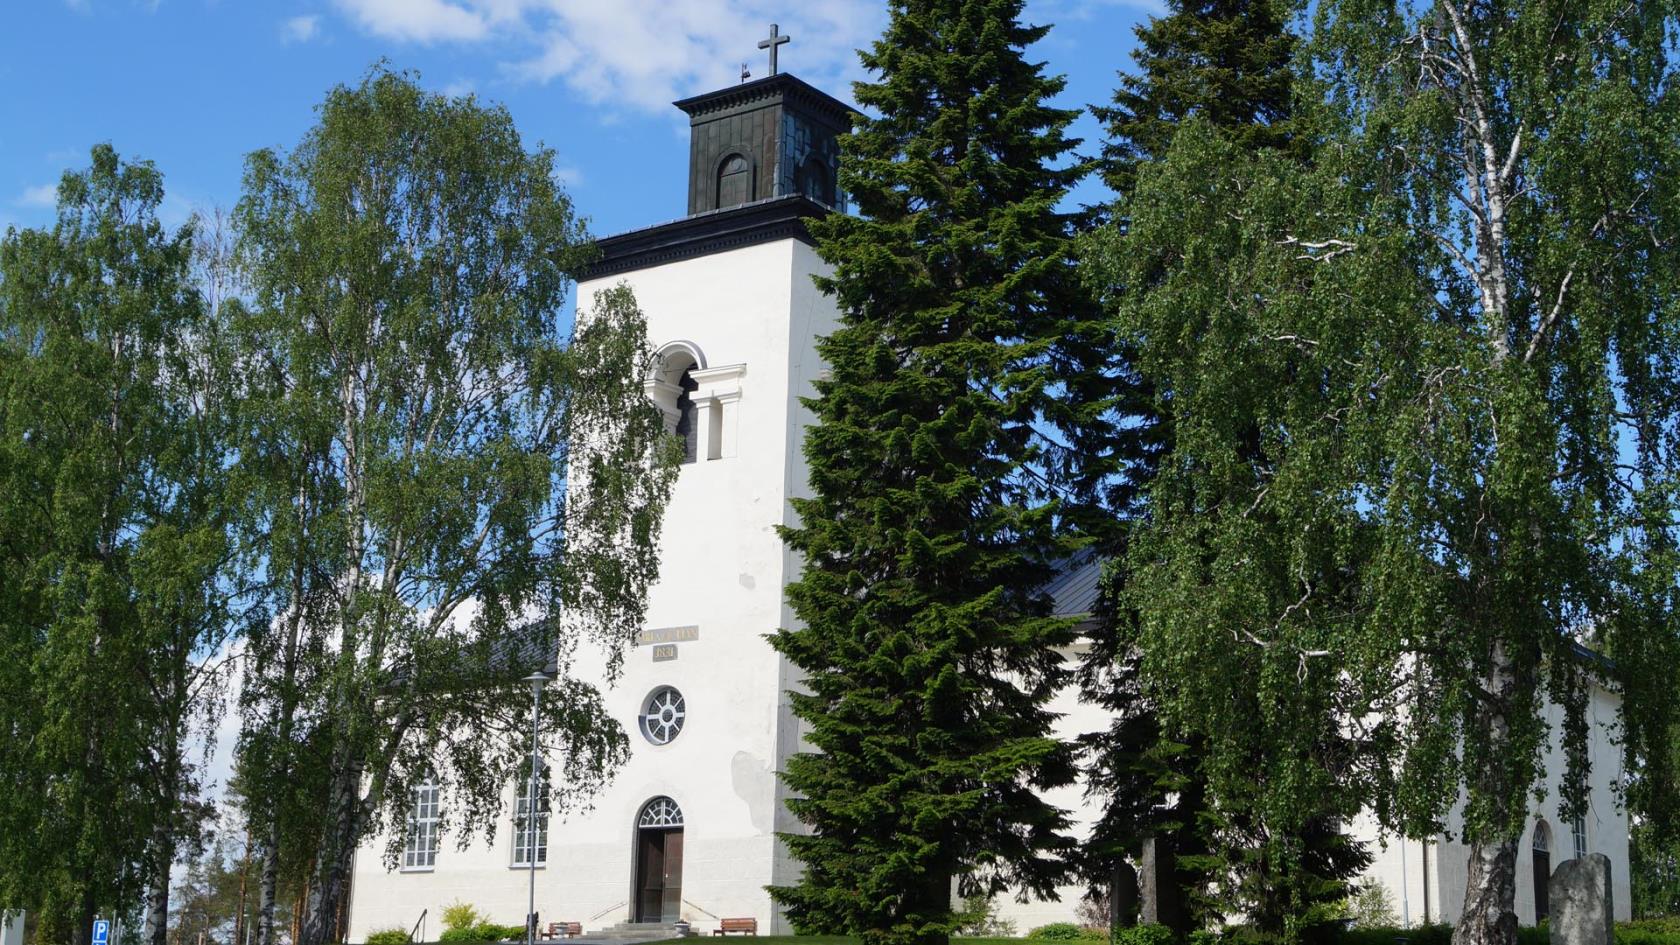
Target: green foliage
1226, 62
1371, 906
1442, 934
1145, 934
460, 915
1663, 931
979, 918
1435, 934
1058, 932
430, 531
207, 895
482, 932
927, 649
1401, 487
117, 547
391, 936
1654, 859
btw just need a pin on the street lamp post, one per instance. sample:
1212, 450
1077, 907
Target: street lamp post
537, 681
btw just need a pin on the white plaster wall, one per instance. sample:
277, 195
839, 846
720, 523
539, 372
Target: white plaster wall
1606, 821
1076, 718
723, 569
812, 315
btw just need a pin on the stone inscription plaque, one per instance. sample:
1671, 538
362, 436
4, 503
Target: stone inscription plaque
664, 652
668, 635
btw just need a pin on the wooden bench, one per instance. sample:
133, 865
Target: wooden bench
563, 930
744, 926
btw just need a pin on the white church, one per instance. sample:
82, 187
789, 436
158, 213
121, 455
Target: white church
687, 829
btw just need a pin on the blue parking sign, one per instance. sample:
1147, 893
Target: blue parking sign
102, 932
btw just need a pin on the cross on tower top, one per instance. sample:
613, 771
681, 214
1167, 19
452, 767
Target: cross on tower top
775, 40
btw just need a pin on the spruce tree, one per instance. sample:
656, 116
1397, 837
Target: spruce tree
1226, 61
927, 645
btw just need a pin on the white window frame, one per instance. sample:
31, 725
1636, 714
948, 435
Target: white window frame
420, 852
1578, 828
653, 722
527, 835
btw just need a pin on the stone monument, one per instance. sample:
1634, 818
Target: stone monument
1123, 897
1582, 908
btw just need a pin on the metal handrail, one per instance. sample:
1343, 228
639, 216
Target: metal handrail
417, 924
698, 909
608, 909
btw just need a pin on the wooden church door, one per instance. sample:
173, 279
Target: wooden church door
659, 856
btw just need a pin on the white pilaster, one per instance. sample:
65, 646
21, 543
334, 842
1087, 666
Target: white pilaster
715, 403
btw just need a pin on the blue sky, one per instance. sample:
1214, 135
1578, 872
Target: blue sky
194, 85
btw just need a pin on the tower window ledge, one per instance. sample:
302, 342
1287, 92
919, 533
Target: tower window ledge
720, 382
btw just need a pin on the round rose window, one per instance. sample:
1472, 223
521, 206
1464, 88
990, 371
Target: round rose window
663, 715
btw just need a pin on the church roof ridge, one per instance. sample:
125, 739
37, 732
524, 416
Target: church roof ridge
700, 234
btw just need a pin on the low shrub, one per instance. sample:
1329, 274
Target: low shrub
388, 937
482, 932
1058, 932
1664, 931
461, 915
1145, 935
1644, 932
979, 919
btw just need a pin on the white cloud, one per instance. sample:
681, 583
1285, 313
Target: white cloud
46, 195
647, 52
569, 177
459, 88
300, 29
640, 54
419, 21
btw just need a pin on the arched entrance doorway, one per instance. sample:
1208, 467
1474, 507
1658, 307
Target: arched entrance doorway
659, 855
1542, 853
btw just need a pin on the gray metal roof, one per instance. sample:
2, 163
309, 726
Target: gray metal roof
1075, 589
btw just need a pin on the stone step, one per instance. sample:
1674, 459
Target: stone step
631, 932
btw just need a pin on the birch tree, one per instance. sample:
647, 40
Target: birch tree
456, 494
119, 543
1455, 333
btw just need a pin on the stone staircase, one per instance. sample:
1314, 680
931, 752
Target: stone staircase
628, 932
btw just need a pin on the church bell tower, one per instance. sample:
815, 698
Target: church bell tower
690, 823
